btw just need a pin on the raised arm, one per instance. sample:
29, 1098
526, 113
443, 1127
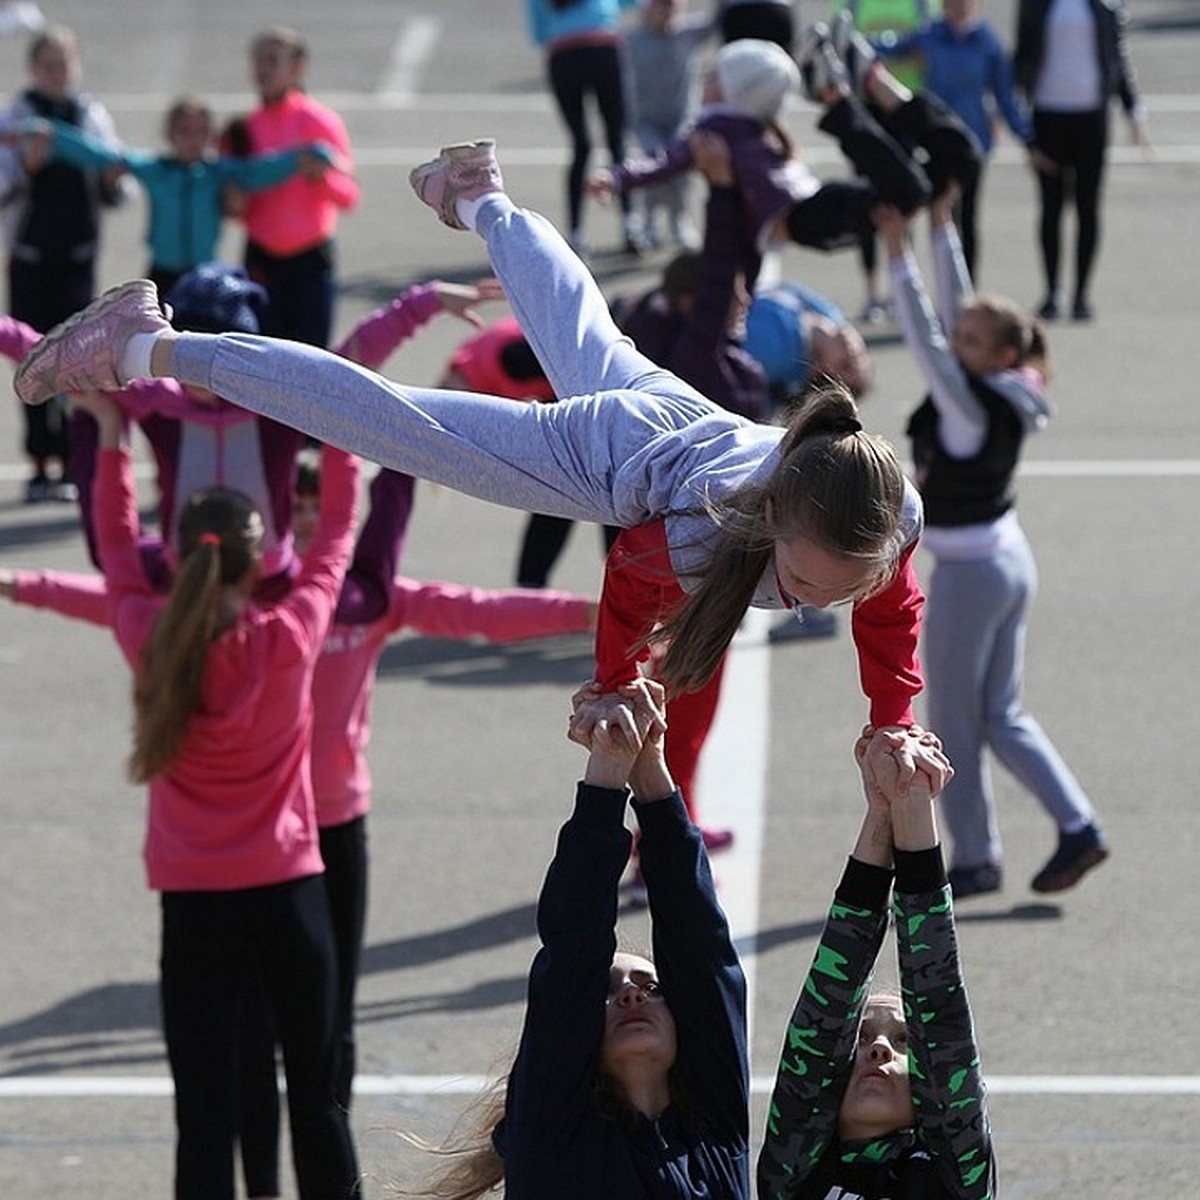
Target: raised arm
963, 423
550, 1086
698, 966
820, 1038
367, 589
949, 1095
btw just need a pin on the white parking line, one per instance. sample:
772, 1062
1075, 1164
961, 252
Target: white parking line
411, 50
66, 1087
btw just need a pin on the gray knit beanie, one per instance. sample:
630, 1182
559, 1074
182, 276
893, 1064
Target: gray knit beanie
755, 77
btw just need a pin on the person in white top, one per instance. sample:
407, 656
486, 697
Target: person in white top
1070, 59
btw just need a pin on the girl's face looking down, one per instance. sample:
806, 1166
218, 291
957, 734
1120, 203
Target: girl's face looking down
811, 575
878, 1098
976, 345
639, 1030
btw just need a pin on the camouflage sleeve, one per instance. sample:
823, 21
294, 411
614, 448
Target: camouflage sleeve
948, 1090
820, 1037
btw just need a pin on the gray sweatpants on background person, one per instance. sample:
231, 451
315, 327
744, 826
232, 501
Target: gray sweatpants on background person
976, 614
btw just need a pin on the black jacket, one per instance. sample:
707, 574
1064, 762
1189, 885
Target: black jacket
1116, 69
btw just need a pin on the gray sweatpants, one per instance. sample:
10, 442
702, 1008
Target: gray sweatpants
976, 615
630, 443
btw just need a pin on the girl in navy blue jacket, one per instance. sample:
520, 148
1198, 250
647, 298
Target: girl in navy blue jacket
631, 1079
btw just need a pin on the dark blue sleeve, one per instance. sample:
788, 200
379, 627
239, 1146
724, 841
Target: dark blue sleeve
697, 964
550, 1086
367, 591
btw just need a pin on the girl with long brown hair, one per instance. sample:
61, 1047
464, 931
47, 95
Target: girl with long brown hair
717, 512
632, 1078
222, 726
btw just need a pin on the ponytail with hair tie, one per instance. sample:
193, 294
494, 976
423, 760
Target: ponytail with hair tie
845, 425
209, 539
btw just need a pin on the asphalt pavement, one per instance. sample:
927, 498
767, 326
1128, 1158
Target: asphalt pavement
1084, 1002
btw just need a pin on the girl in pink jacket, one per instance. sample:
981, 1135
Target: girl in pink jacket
222, 730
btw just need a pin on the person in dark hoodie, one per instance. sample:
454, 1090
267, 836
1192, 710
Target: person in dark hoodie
631, 1078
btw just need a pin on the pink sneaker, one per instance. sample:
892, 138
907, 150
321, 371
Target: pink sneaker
716, 840
81, 354
464, 171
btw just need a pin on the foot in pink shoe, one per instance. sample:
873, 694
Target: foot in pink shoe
83, 352
464, 171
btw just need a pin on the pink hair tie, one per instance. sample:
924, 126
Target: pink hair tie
210, 539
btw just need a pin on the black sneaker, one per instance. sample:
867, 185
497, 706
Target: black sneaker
975, 881
1081, 310
1050, 308
1076, 855
38, 489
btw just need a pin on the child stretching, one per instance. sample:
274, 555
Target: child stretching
185, 186
782, 200
375, 604
718, 513
984, 362
221, 735
880, 1094
631, 1080
198, 439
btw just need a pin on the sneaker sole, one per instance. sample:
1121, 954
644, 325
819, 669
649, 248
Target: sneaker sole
1061, 881
43, 348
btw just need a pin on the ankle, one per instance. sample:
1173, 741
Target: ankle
162, 354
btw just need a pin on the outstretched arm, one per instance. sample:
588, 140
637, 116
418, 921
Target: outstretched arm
949, 1095
819, 1041
697, 963
551, 1082
963, 423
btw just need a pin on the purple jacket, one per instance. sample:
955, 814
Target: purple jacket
769, 181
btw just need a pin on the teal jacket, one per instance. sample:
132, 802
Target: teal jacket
184, 199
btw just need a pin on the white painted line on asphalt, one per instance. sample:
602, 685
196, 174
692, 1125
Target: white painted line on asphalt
497, 103
411, 50
1100, 468
65, 1087
732, 785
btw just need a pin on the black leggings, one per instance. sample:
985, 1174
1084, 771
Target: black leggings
576, 71
839, 213
212, 943
543, 542
767, 22
1076, 142
344, 852
42, 294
